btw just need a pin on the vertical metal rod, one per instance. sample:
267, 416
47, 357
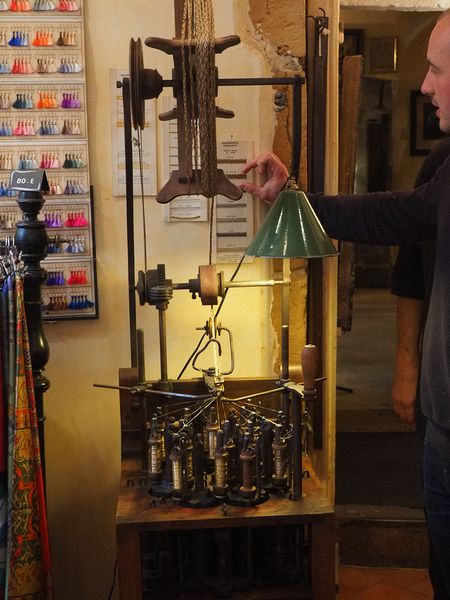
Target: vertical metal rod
125, 85
297, 445
285, 335
285, 318
143, 399
296, 126
140, 356
163, 345
258, 457
316, 76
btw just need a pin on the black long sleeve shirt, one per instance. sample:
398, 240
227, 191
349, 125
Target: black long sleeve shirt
397, 217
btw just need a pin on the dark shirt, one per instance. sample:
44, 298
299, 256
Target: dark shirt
412, 275
398, 217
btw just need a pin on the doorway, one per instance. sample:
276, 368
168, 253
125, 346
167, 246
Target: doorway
378, 457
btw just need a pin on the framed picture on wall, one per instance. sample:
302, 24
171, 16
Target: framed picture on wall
382, 55
353, 42
424, 125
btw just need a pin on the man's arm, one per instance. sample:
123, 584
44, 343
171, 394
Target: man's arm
407, 361
383, 218
408, 285
274, 175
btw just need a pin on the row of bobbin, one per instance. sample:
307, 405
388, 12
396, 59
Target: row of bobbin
47, 161
46, 100
39, 6
66, 245
73, 187
57, 278
8, 220
75, 218
5, 190
239, 464
26, 127
24, 65
57, 302
42, 38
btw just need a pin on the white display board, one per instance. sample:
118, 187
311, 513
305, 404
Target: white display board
233, 219
148, 143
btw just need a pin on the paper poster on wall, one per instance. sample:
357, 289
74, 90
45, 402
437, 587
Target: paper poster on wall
234, 218
183, 208
148, 143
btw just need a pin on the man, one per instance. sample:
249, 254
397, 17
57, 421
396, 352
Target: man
412, 282
403, 217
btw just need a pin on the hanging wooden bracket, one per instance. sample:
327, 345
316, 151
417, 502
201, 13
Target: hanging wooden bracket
147, 83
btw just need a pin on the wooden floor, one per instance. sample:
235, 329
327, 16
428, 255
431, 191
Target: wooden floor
364, 583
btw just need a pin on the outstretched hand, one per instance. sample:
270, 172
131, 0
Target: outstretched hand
272, 170
404, 390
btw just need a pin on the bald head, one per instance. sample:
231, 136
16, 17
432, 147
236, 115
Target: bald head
436, 84
440, 36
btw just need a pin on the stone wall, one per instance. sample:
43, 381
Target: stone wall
407, 5
279, 29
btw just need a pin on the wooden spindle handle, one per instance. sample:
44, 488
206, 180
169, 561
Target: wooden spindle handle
310, 366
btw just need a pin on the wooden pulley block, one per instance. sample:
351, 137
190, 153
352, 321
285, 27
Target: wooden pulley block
310, 366
141, 288
210, 284
144, 84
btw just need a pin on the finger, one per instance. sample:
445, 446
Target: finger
406, 413
263, 166
250, 188
267, 163
251, 164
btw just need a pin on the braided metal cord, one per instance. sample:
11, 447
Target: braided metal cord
200, 124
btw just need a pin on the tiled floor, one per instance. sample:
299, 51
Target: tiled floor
364, 583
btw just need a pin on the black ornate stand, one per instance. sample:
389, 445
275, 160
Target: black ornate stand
31, 241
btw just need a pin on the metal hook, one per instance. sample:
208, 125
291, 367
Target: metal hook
212, 340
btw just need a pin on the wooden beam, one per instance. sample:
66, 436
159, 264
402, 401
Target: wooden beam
348, 141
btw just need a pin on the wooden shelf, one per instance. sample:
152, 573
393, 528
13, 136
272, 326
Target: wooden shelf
138, 512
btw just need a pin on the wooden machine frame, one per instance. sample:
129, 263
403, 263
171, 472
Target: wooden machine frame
139, 515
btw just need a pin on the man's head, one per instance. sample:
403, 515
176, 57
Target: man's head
437, 80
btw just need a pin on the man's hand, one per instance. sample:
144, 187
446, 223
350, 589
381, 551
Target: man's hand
407, 359
273, 172
404, 397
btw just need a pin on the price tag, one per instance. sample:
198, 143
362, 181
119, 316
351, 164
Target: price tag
29, 181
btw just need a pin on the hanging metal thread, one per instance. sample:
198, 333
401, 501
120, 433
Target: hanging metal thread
199, 105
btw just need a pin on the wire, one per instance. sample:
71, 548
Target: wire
260, 417
114, 581
236, 405
211, 227
172, 412
141, 181
186, 364
191, 356
236, 271
199, 412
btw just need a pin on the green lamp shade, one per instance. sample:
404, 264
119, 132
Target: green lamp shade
291, 230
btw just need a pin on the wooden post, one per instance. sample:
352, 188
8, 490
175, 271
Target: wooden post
31, 241
348, 140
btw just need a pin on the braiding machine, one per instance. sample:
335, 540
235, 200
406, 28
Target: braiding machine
213, 442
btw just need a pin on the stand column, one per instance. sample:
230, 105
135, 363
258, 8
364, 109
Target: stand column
31, 241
